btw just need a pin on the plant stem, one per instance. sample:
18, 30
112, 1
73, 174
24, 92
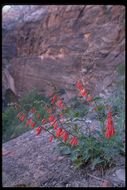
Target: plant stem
55, 136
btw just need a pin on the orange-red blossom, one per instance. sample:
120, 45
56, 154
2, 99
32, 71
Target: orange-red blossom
51, 138
110, 130
60, 104
38, 130
83, 92
74, 141
54, 98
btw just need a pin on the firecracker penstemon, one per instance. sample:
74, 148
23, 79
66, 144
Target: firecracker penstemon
82, 147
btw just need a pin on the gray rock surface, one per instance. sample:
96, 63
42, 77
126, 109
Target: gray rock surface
121, 174
33, 161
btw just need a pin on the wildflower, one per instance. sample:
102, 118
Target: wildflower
60, 104
54, 99
89, 99
62, 132
22, 117
58, 132
52, 118
38, 130
33, 124
65, 136
43, 121
28, 122
49, 110
19, 114
51, 138
83, 93
55, 126
33, 110
74, 141
110, 131
79, 85
61, 115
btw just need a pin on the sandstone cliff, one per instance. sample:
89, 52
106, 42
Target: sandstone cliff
65, 43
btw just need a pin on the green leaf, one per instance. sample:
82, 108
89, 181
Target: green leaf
76, 114
78, 162
66, 150
99, 133
97, 98
51, 127
95, 162
74, 155
86, 155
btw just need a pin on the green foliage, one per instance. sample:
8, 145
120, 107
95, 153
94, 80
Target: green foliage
93, 148
32, 99
81, 107
96, 150
11, 126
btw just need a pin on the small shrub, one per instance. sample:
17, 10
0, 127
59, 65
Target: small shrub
97, 147
10, 121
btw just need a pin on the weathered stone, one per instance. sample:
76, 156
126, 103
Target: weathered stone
69, 43
121, 174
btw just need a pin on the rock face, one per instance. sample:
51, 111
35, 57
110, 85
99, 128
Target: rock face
33, 161
61, 44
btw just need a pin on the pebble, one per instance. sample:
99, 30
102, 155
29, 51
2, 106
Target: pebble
121, 174
60, 158
114, 175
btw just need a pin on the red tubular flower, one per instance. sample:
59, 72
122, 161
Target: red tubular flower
38, 130
83, 92
43, 121
74, 141
22, 117
33, 110
61, 115
19, 114
52, 118
33, 124
65, 136
28, 122
58, 132
79, 85
62, 132
60, 104
89, 99
49, 110
110, 131
51, 138
55, 126
54, 99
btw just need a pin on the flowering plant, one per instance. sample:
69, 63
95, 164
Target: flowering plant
85, 144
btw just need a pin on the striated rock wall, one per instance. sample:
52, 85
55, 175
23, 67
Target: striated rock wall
61, 44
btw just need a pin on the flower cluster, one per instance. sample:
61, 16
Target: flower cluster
21, 116
55, 111
54, 121
81, 146
110, 131
83, 91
